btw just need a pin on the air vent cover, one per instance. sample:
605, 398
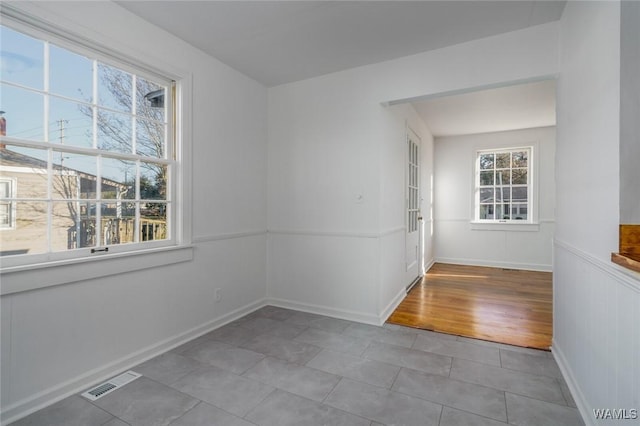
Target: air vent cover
111, 385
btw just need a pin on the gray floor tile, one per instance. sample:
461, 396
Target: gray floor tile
303, 318
540, 387
529, 363
274, 327
204, 414
530, 351
382, 405
275, 312
284, 409
363, 370
452, 417
333, 325
71, 411
410, 358
168, 367
457, 349
304, 381
286, 349
333, 341
525, 411
566, 392
225, 356
146, 402
381, 334
232, 335
481, 400
116, 422
225, 390
442, 336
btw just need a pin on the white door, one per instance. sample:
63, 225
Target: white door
412, 214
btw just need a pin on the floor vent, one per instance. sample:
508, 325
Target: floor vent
111, 385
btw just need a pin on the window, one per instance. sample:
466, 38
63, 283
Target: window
503, 185
7, 215
88, 161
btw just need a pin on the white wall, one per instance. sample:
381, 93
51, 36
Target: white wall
59, 340
629, 113
596, 303
456, 240
331, 140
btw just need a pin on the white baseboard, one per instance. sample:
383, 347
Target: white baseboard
325, 310
495, 264
84, 381
386, 312
429, 265
578, 396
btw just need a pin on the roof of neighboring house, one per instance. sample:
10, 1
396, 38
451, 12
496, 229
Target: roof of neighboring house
12, 158
16, 159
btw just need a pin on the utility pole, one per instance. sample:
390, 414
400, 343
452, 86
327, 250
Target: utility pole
61, 126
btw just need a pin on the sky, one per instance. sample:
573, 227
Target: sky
70, 87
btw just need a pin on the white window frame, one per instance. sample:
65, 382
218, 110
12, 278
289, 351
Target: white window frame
22, 273
532, 221
12, 206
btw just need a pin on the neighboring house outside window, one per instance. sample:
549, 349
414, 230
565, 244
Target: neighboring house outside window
88, 160
503, 185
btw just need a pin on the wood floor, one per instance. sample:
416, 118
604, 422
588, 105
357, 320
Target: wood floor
505, 306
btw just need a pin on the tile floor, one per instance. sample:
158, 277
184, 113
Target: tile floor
281, 367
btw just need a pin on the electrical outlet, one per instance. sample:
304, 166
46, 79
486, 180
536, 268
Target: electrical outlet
217, 294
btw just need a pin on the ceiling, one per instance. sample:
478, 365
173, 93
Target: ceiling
521, 106
277, 42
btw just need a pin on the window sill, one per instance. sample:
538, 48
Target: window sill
628, 261
629, 248
505, 226
25, 278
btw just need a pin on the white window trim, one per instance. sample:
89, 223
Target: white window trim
532, 224
25, 277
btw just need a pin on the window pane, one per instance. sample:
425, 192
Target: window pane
150, 100
73, 225
486, 195
24, 112
5, 189
118, 179
486, 211
520, 159
74, 176
520, 194
114, 88
70, 75
503, 160
150, 138
519, 176
519, 211
22, 59
153, 221
114, 132
30, 233
28, 167
503, 212
71, 123
486, 178
487, 161
5, 215
504, 194
503, 177
118, 223
153, 181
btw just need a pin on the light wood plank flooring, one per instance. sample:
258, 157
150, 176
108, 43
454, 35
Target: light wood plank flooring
499, 305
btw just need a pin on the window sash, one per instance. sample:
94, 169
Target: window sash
168, 160
495, 200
